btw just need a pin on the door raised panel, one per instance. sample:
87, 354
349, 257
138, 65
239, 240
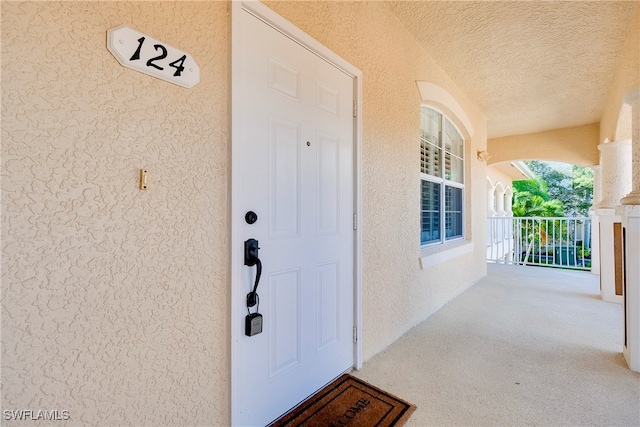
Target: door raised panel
284, 171
284, 79
328, 299
328, 99
328, 184
284, 331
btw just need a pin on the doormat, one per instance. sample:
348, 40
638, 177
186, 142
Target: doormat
348, 401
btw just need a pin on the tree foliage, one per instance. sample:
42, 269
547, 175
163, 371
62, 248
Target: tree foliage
531, 198
563, 191
582, 188
535, 187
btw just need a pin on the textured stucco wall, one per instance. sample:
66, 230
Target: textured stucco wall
577, 145
528, 56
397, 294
114, 300
626, 78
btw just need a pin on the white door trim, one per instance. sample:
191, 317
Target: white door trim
237, 309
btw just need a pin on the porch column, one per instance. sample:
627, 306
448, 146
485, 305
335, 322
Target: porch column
615, 170
633, 98
508, 202
595, 222
631, 349
491, 200
610, 225
500, 201
631, 223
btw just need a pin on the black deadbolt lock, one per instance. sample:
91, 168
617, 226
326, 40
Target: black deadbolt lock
251, 217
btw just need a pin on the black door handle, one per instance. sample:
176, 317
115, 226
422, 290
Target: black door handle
251, 259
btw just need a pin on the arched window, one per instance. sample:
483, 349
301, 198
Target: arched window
442, 179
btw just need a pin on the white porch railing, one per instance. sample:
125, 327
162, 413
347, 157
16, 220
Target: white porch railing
549, 242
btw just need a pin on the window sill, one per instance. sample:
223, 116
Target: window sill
435, 255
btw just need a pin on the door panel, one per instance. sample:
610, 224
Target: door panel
284, 183
294, 167
328, 184
328, 299
284, 333
284, 79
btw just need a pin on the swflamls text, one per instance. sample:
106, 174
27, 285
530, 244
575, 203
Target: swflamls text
36, 415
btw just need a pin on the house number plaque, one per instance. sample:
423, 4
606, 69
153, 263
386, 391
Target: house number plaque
139, 52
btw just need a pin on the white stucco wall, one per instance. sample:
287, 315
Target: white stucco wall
115, 300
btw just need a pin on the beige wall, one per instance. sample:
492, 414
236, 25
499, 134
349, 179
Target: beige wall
115, 300
577, 145
626, 78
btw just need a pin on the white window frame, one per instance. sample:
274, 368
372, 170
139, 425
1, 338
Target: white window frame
443, 182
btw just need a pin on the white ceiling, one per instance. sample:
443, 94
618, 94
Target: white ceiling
529, 66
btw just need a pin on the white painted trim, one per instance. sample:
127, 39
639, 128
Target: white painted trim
430, 257
290, 30
614, 144
431, 92
358, 209
631, 223
236, 261
524, 169
605, 212
608, 297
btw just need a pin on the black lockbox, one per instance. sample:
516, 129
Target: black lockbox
253, 324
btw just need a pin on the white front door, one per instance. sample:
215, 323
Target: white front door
293, 160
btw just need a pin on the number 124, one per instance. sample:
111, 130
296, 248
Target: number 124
178, 64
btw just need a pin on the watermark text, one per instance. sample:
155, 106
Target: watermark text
36, 415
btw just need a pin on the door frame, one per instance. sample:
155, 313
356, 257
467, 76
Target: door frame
236, 218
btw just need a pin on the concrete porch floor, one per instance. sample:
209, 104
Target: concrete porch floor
524, 346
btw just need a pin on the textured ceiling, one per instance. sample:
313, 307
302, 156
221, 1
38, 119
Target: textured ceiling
528, 65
